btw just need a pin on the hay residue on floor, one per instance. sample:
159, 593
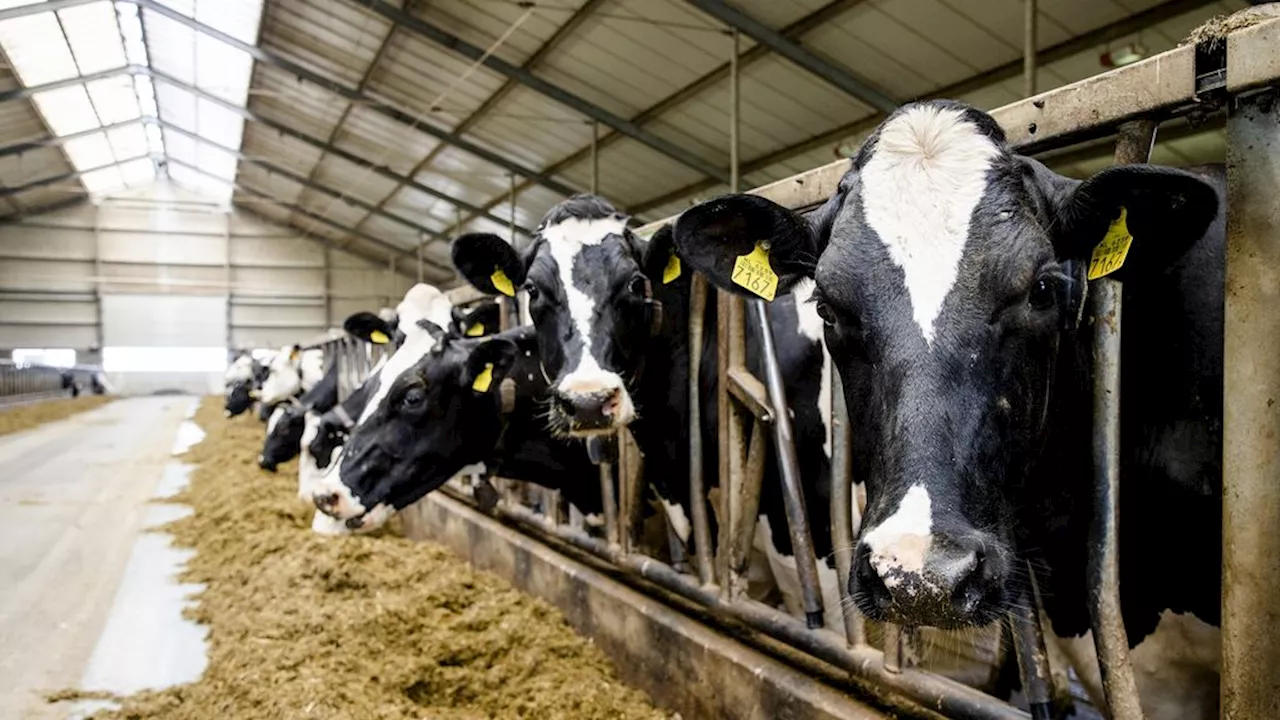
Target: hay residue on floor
26, 417
306, 626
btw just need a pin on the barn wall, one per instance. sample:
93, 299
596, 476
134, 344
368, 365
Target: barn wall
277, 286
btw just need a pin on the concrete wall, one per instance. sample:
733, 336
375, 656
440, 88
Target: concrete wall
280, 287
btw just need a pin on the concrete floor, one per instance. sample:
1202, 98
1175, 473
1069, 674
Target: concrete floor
73, 499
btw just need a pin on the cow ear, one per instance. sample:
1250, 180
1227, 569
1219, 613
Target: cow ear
369, 328
661, 262
488, 364
1133, 219
294, 353
435, 331
748, 245
490, 264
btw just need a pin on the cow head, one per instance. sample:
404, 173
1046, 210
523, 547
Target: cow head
476, 321
436, 416
949, 272
590, 299
284, 376
284, 435
239, 398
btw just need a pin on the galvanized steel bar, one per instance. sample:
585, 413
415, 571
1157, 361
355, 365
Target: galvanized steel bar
843, 530
1029, 35
1251, 423
1109, 637
789, 469
697, 484
595, 157
609, 499
1033, 656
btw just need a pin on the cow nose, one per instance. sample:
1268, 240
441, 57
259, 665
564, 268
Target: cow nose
266, 464
949, 585
325, 502
593, 411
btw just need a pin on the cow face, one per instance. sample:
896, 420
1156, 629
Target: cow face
284, 436
239, 398
590, 300
948, 271
438, 413
284, 377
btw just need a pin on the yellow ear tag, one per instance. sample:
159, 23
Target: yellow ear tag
502, 283
377, 337
475, 330
753, 272
484, 379
1109, 255
672, 270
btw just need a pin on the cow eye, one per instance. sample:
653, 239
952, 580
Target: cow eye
414, 397
1043, 294
532, 290
637, 285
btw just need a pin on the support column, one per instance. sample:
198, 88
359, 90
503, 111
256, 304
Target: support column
1251, 422
1030, 19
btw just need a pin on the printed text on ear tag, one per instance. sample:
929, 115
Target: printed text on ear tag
377, 337
502, 283
1109, 254
672, 270
753, 272
475, 330
484, 379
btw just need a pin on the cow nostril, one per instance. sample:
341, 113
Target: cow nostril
325, 502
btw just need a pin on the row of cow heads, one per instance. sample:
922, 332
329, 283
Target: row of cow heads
950, 273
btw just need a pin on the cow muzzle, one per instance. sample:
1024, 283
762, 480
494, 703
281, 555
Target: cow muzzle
266, 464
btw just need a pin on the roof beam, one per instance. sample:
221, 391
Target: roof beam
556, 38
9, 191
277, 127
22, 93
302, 180
304, 212
861, 89
53, 141
822, 15
522, 75
1061, 51
273, 59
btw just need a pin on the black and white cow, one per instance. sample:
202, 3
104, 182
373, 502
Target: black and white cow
950, 275
447, 412
611, 312
288, 420
290, 373
242, 380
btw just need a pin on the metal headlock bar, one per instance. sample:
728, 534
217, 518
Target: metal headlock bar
1128, 102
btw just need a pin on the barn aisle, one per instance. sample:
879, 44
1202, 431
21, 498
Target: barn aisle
73, 498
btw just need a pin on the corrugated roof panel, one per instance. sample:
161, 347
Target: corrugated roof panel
1075, 17
458, 174
482, 23
417, 206
384, 141
280, 97
34, 165
393, 232
333, 208
269, 211
281, 150
536, 201
776, 14
353, 180
854, 40
331, 37
631, 172
318, 229
626, 66
416, 75
35, 200
19, 122
277, 186
531, 130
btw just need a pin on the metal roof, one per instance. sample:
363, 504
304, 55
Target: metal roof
385, 125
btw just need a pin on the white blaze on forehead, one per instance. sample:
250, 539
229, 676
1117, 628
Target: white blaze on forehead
422, 302
275, 419
241, 370
566, 241
901, 542
925, 176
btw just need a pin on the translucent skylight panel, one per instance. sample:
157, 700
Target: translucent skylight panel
137, 172
146, 93
6, 4
36, 49
177, 106
94, 37
171, 46
129, 141
135, 48
222, 70
101, 182
219, 124
67, 110
114, 98
193, 180
90, 151
180, 147
237, 18
216, 162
